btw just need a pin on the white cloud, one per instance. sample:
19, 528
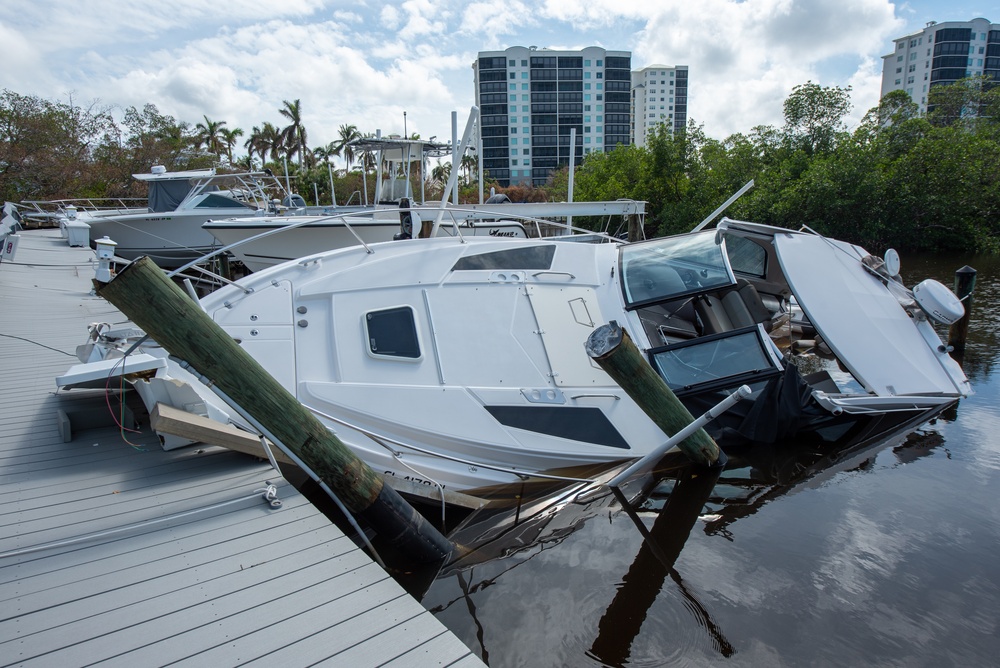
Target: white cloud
390, 16
366, 62
482, 20
745, 58
23, 64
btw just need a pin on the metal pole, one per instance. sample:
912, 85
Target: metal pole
454, 156
479, 156
378, 172
724, 206
333, 193
288, 184
364, 180
572, 168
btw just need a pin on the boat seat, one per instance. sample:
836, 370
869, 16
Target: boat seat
733, 308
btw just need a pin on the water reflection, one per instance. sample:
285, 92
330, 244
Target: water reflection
759, 475
505, 544
641, 585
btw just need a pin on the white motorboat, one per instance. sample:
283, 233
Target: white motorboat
252, 242
262, 242
461, 362
169, 230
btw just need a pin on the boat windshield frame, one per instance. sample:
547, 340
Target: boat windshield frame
670, 268
719, 364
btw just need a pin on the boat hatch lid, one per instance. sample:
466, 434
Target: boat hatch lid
857, 316
95, 375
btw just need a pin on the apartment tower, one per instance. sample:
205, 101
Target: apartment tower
940, 54
659, 97
530, 99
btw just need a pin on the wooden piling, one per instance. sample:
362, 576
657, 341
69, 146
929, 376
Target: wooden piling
965, 283
153, 302
634, 228
612, 348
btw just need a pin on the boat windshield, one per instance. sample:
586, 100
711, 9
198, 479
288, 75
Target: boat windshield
724, 360
673, 267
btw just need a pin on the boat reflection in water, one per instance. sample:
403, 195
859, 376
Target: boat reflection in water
676, 499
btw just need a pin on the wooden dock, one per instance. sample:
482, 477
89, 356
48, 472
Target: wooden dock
116, 552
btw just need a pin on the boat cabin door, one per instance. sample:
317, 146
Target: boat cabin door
566, 317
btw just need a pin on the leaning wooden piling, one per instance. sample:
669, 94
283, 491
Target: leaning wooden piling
144, 293
612, 348
965, 283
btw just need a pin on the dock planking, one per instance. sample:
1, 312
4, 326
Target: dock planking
116, 552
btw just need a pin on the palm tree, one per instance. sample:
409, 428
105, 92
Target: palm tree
177, 135
342, 146
265, 140
441, 173
273, 139
324, 153
210, 135
294, 135
368, 157
469, 163
245, 163
229, 137
249, 146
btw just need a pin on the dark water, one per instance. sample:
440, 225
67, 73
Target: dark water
889, 556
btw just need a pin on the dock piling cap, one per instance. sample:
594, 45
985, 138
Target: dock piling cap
604, 339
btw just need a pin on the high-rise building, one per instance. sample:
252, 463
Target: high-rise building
941, 53
659, 97
530, 99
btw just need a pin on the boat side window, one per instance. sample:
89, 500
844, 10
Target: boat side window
746, 256
392, 333
530, 257
213, 201
664, 269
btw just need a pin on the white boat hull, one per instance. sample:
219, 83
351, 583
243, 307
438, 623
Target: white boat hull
461, 363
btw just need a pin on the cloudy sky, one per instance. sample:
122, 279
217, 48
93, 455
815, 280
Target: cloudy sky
368, 61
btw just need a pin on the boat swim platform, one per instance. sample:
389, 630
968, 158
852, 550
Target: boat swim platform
116, 552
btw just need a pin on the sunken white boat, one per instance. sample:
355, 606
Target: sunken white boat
461, 362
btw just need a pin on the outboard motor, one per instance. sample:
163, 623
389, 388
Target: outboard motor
938, 301
405, 221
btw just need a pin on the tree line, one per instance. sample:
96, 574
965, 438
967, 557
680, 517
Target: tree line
914, 181
53, 150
